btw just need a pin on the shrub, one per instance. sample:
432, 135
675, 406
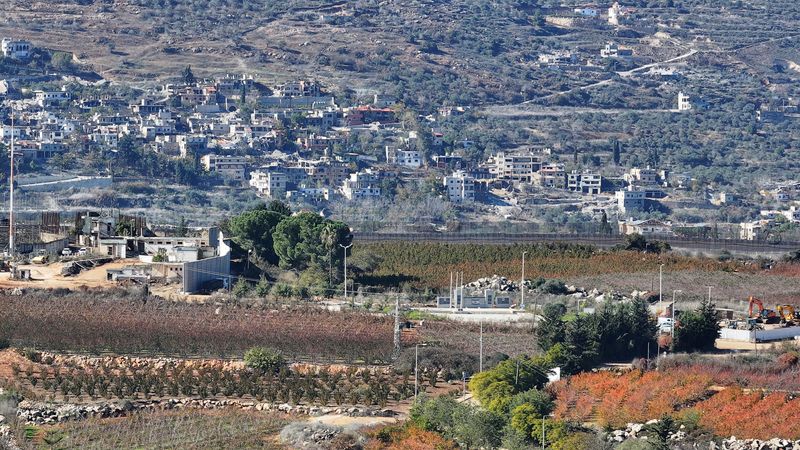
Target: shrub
262, 287
264, 360
241, 288
788, 360
451, 362
31, 354
554, 287
282, 290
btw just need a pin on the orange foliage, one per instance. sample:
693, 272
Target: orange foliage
751, 415
614, 400
408, 438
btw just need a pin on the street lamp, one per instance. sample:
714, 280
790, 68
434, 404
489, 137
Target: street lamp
11, 243
345, 247
416, 368
522, 285
673, 312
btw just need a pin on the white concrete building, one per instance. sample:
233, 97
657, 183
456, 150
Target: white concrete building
312, 195
270, 184
684, 102
405, 158
190, 144
752, 231
521, 167
17, 49
612, 50
552, 176
360, 185
50, 98
630, 200
233, 167
586, 12
460, 187
647, 227
614, 13
637, 175
301, 88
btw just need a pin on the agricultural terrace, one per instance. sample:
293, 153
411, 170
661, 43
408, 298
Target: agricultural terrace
202, 430
114, 321
54, 377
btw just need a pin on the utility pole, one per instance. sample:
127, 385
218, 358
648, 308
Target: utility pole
660, 286
480, 369
543, 434
673, 312
450, 292
522, 284
416, 369
709, 293
397, 326
345, 268
11, 249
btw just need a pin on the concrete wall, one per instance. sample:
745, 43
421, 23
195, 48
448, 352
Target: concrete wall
777, 334
198, 273
760, 335
52, 247
735, 335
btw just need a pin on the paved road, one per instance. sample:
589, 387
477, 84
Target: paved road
708, 245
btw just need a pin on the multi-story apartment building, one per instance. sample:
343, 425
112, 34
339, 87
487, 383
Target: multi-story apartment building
15, 48
460, 187
322, 172
405, 158
233, 167
630, 200
360, 185
641, 176
585, 182
551, 176
515, 167
301, 88
269, 183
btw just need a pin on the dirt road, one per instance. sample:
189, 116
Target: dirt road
49, 276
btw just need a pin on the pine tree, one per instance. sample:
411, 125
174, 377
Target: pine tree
188, 76
181, 229
605, 227
617, 150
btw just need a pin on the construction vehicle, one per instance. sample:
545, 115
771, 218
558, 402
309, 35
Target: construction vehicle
41, 259
757, 311
742, 324
787, 314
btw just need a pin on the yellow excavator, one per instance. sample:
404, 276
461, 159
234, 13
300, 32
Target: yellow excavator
787, 313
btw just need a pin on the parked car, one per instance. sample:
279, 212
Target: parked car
66, 252
83, 251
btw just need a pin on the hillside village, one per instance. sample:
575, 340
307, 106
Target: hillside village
294, 141
380, 159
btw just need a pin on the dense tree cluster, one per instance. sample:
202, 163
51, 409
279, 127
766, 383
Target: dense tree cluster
304, 242
617, 332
